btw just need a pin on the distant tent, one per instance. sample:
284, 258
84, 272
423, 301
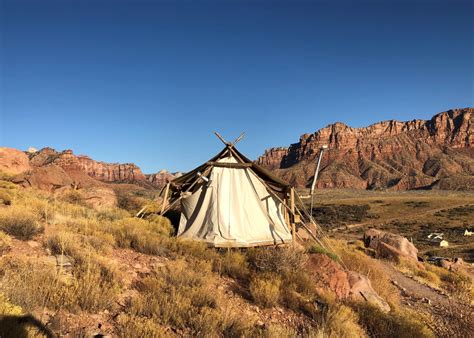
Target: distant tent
230, 201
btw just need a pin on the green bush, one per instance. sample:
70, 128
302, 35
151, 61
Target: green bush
314, 249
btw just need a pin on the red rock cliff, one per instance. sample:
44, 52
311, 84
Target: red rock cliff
402, 155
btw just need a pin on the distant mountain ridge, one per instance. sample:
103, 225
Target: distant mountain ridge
435, 153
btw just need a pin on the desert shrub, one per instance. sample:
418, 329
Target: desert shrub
5, 243
180, 296
7, 308
100, 241
5, 198
299, 290
19, 223
73, 197
94, 287
111, 214
279, 260
32, 284
319, 249
393, 324
460, 284
129, 201
234, 264
265, 289
428, 277
134, 326
235, 323
162, 224
65, 243
280, 331
337, 214
137, 234
423, 273
339, 320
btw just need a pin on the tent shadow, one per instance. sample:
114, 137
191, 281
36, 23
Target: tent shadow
23, 327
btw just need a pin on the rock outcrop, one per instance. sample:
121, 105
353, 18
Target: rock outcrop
330, 275
390, 154
13, 161
102, 171
60, 172
161, 178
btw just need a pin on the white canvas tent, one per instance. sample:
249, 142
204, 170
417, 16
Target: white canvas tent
231, 202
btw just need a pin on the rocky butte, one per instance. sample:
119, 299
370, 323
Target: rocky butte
49, 169
418, 154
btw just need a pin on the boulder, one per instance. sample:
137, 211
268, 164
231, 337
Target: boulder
330, 275
13, 161
390, 246
361, 289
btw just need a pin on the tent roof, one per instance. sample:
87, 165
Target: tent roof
274, 182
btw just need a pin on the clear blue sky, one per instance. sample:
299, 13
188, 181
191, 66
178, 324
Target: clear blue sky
149, 81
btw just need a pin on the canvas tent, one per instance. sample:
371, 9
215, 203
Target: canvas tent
229, 201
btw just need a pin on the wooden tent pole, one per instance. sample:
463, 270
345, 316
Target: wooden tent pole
292, 208
165, 198
208, 169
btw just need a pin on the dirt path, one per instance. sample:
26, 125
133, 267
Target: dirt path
448, 316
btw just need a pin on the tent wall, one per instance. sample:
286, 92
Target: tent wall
233, 209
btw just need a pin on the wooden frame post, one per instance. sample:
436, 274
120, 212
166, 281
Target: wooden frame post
165, 199
292, 209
